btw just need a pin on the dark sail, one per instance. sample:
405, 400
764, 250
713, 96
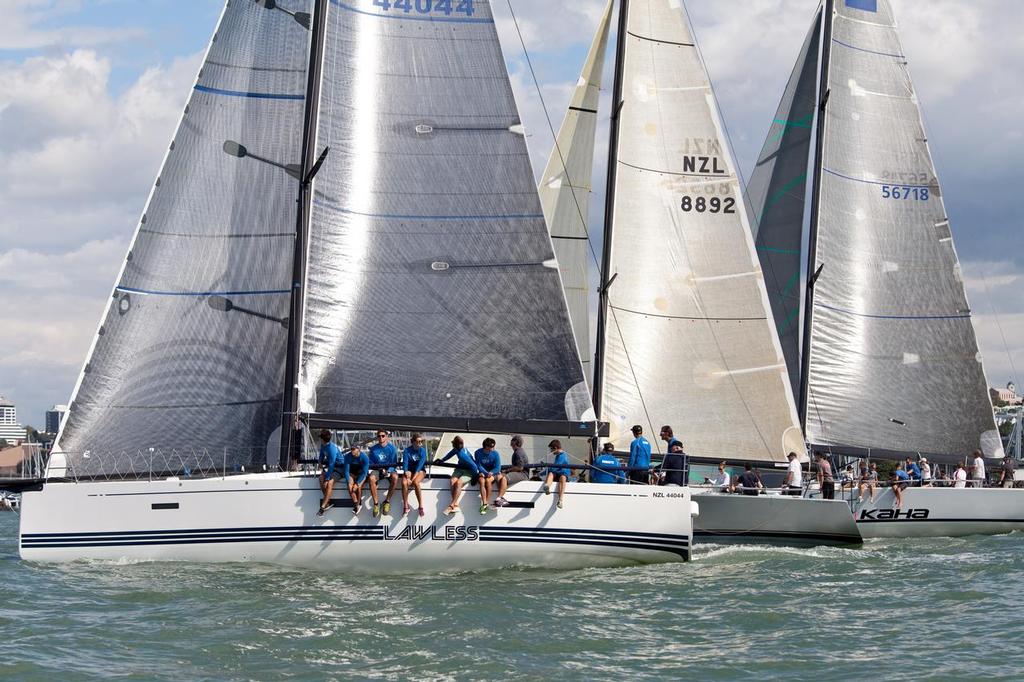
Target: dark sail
777, 192
189, 356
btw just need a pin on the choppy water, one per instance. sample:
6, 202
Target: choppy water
897, 610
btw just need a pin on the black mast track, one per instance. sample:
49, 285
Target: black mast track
609, 207
289, 413
812, 242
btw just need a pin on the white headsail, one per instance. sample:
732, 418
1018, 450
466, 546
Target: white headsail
565, 188
689, 339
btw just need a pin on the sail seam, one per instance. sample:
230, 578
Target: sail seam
686, 317
894, 317
406, 17
583, 109
251, 95
873, 182
656, 40
276, 69
863, 49
222, 235
149, 292
399, 216
723, 176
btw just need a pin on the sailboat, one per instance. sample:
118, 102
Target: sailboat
345, 234
880, 342
683, 334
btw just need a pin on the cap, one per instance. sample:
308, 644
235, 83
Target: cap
637, 428
924, 460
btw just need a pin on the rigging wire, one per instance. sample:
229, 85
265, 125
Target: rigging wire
579, 210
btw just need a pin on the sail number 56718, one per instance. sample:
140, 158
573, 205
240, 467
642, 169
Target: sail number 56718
903, 192
705, 205
446, 7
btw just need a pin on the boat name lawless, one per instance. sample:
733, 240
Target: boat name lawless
447, 534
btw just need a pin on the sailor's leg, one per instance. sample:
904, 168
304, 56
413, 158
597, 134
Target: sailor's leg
502, 485
405, 488
547, 482
561, 488
417, 481
371, 481
353, 491
392, 484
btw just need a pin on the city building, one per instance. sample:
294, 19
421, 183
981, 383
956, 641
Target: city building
10, 430
54, 416
1006, 395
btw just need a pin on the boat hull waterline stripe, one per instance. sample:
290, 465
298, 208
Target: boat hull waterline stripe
644, 541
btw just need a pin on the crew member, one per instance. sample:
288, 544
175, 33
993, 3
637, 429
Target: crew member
384, 458
606, 466
466, 470
489, 461
332, 461
414, 461
357, 472
639, 457
794, 481
559, 471
826, 482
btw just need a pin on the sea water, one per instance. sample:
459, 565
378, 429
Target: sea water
902, 610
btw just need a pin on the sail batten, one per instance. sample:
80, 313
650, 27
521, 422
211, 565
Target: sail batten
893, 362
688, 341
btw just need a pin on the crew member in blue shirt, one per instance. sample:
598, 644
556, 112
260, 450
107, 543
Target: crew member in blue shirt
384, 456
357, 472
559, 471
639, 457
465, 471
489, 462
414, 461
606, 466
331, 460
913, 471
900, 481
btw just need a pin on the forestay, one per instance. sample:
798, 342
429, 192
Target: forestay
565, 188
777, 194
189, 356
432, 289
894, 362
688, 341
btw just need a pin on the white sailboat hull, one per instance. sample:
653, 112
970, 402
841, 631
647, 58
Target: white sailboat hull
773, 519
272, 518
940, 512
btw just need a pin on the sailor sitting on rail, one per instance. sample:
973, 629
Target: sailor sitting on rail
383, 454
464, 472
606, 467
357, 471
332, 461
414, 459
558, 471
489, 461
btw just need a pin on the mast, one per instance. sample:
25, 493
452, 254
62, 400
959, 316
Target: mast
310, 164
609, 208
819, 145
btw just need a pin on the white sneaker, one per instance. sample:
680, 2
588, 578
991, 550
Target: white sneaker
356, 509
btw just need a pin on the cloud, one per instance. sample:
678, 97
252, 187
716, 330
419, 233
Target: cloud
21, 28
79, 162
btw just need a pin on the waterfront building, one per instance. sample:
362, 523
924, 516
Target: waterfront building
1006, 395
54, 416
10, 430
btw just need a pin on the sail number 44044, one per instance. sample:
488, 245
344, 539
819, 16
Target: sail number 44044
904, 192
446, 7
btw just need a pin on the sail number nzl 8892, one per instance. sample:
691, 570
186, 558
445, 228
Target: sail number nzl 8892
706, 205
445, 7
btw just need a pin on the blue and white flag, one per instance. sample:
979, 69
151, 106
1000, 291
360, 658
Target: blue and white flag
866, 5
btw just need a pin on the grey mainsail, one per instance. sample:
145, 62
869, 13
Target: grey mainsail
688, 339
565, 188
777, 195
893, 359
432, 290
190, 352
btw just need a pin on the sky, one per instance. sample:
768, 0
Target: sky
91, 90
